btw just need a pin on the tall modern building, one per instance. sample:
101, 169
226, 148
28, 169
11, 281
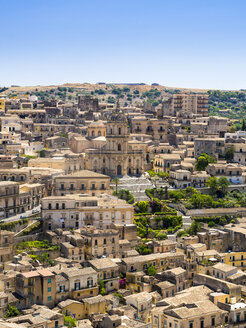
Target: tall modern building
181, 104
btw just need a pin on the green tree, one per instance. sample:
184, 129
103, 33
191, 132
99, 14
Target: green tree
101, 286
143, 206
11, 311
211, 224
213, 185
194, 228
243, 126
116, 182
203, 161
181, 233
151, 270
143, 250
223, 184
69, 321
161, 236
229, 154
151, 173
163, 175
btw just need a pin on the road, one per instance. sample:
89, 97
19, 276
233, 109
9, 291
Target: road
22, 215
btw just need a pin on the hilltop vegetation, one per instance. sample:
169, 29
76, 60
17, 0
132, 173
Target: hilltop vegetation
230, 104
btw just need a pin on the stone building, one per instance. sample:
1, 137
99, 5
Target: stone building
99, 242
9, 198
67, 162
193, 315
163, 162
56, 142
76, 211
88, 103
6, 245
118, 156
81, 282
37, 287
108, 271
214, 147
157, 130
183, 104
83, 182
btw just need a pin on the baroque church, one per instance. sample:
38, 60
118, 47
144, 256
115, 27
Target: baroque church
119, 155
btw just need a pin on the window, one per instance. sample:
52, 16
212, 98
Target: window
57, 206
71, 186
62, 289
103, 187
191, 325
77, 285
119, 147
213, 321
105, 241
49, 281
202, 324
49, 298
93, 187
63, 206
112, 240
49, 289
49, 206
96, 242
62, 186
82, 186
119, 130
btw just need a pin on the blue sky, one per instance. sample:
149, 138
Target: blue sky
182, 43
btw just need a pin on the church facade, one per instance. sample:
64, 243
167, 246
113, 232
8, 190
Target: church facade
119, 156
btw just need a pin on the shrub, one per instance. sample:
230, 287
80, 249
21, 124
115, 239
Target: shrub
11, 311
120, 297
161, 236
126, 195
143, 250
143, 206
181, 233
151, 270
151, 173
69, 321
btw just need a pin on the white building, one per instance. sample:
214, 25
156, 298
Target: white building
78, 210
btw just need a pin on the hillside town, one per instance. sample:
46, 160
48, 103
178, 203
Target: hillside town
121, 209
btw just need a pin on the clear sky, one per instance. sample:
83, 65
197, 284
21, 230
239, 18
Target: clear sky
180, 43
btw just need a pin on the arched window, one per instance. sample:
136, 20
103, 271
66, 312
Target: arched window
89, 282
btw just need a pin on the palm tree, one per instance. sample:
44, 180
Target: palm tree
116, 181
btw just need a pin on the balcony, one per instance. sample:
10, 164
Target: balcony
82, 289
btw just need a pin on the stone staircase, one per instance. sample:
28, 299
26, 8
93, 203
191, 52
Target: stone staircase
136, 186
